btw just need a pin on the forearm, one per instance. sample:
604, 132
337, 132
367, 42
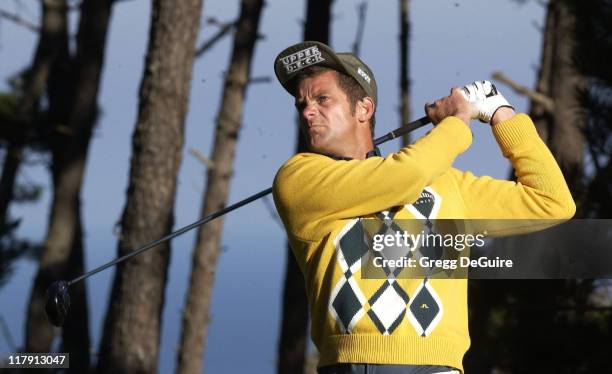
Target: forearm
538, 199
540, 190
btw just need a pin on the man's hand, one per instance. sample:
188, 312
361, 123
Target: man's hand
453, 105
485, 100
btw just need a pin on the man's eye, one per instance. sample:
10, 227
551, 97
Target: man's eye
323, 98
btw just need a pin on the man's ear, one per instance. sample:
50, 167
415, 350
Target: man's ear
365, 109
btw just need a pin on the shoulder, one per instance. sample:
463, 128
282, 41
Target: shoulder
297, 164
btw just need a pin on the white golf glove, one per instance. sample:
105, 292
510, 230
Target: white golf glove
485, 100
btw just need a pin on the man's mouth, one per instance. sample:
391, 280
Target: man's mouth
315, 129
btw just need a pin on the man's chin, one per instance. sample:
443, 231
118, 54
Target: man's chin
318, 146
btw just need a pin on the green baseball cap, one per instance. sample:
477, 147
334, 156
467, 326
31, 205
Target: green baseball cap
299, 56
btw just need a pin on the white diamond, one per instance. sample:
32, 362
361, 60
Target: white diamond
388, 307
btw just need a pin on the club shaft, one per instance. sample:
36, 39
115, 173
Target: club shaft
391, 135
405, 129
173, 234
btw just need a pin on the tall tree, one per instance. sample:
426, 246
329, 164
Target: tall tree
404, 41
555, 103
294, 329
206, 251
52, 43
72, 91
566, 140
592, 55
21, 125
130, 343
508, 316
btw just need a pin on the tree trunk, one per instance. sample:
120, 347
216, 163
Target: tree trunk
12, 159
130, 343
293, 341
566, 140
542, 118
404, 67
206, 252
51, 43
294, 329
592, 55
62, 254
561, 129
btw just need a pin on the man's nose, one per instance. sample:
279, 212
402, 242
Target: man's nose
309, 111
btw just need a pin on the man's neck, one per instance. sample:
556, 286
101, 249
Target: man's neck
371, 153
361, 151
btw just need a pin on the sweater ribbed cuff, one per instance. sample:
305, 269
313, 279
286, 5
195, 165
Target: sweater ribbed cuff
514, 131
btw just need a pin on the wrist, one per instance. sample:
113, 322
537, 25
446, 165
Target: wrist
502, 113
464, 117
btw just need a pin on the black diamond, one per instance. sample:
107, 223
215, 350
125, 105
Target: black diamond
352, 244
425, 203
434, 251
346, 304
424, 308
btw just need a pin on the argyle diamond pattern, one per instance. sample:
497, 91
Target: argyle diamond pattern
390, 304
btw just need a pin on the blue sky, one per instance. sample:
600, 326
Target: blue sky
453, 43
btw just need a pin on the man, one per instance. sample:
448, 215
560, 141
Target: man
393, 325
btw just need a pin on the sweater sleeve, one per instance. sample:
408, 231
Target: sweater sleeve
540, 191
310, 189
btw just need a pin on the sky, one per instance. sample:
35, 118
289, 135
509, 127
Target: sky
452, 43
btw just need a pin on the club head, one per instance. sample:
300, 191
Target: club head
57, 302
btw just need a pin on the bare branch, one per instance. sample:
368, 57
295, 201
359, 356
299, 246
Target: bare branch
361, 11
19, 21
224, 30
213, 21
256, 80
119, 1
200, 157
536, 25
547, 102
404, 40
77, 5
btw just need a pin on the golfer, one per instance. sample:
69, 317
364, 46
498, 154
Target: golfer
393, 325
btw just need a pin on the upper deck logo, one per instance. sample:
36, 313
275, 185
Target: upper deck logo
301, 59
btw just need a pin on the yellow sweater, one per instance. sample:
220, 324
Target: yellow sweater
378, 321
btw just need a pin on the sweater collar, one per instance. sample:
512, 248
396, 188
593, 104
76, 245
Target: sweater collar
372, 153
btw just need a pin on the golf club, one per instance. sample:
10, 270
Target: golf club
57, 298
